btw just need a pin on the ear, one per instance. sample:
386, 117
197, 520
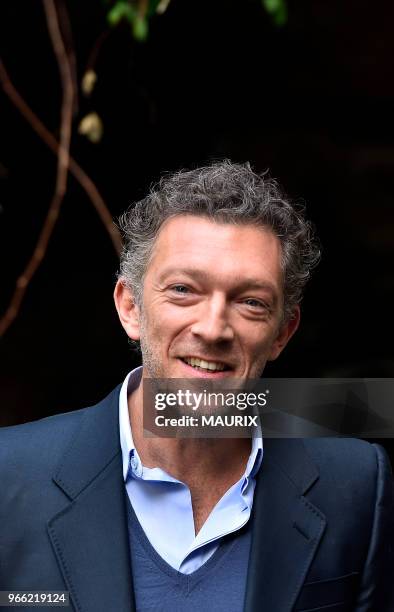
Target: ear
286, 331
128, 311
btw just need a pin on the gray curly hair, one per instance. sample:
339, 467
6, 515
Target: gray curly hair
224, 192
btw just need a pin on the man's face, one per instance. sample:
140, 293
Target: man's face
212, 301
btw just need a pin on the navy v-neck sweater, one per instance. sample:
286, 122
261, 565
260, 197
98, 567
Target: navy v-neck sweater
218, 585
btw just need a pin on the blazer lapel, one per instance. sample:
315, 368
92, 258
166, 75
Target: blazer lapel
286, 529
90, 535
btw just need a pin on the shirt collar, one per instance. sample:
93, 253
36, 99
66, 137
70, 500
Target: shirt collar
130, 383
129, 451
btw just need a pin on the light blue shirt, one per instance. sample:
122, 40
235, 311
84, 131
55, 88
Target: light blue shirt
163, 505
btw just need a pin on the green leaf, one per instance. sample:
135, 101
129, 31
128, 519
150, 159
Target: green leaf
277, 9
121, 10
271, 6
280, 17
140, 28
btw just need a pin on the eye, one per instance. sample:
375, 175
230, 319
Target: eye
181, 289
254, 303
257, 307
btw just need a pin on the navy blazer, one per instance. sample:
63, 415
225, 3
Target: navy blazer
322, 519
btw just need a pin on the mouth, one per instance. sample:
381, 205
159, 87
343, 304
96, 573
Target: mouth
205, 367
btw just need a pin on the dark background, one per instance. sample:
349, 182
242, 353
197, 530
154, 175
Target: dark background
313, 101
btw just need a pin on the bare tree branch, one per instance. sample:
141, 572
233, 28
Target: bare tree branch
65, 28
62, 171
67, 100
75, 169
93, 55
65, 162
143, 6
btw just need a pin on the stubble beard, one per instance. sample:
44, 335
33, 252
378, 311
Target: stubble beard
150, 351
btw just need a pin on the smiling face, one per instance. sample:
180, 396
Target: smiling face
212, 301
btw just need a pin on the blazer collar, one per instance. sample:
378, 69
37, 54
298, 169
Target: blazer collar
90, 535
286, 527
94, 446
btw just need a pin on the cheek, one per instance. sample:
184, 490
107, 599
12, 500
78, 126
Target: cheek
261, 348
172, 318
164, 323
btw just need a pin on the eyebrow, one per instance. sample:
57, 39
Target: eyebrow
243, 283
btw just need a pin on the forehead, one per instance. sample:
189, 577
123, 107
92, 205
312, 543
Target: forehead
228, 250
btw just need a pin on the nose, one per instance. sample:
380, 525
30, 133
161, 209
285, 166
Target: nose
213, 325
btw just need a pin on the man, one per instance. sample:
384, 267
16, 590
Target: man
212, 273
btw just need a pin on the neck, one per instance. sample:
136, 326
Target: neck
190, 460
209, 467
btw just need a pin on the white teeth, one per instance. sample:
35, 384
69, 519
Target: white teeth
201, 363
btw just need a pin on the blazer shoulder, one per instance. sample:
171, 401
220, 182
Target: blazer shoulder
41, 441
333, 448
349, 460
